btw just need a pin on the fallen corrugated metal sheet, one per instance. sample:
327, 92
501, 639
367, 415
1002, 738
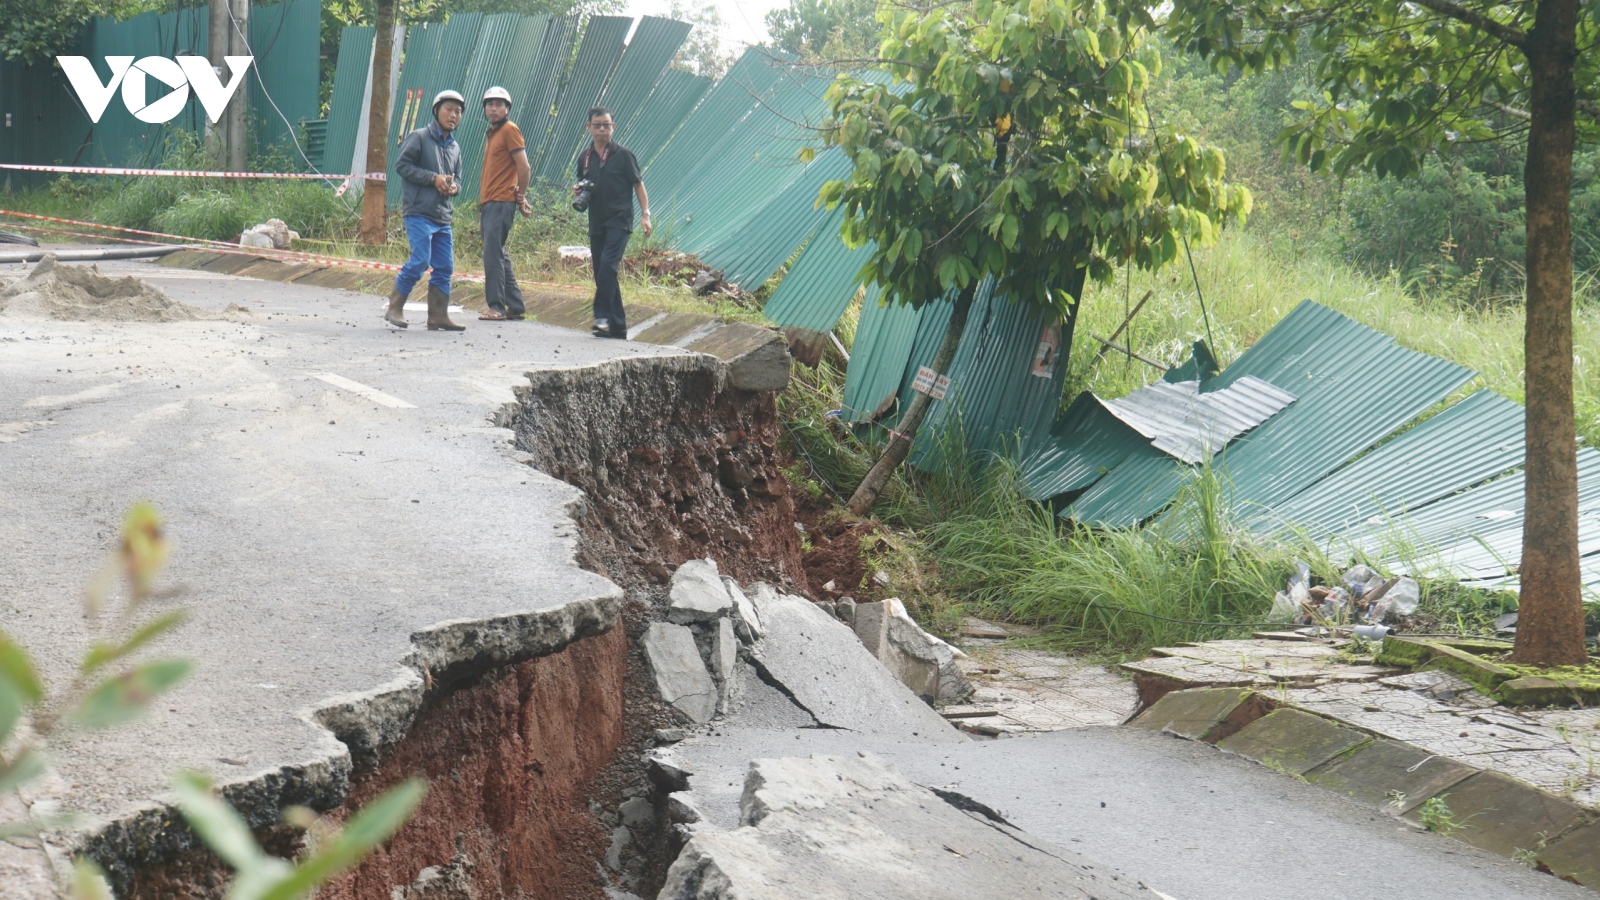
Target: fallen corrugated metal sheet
1480, 438
822, 281
1086, 442
674, 96
1355, 386
884, 338
1193, 426
598, 53
751, 254
711, 124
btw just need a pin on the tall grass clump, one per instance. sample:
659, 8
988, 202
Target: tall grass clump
1194, 575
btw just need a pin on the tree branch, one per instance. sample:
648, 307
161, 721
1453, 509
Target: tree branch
1505, 33
1511, 111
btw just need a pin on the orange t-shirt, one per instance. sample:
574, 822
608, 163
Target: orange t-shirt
499, 181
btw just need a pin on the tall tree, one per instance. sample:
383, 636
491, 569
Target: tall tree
1402, 78
374, 214
1014, 144
817, 30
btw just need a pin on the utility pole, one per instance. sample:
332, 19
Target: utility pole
217, 44
238, 129
374, 200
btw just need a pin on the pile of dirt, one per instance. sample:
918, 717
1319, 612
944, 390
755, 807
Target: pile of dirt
82, 294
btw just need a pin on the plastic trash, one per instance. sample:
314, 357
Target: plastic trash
1371, 632
1284, 608
1336, 605
1360, 579
1400, 600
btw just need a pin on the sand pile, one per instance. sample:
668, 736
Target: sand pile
82, 294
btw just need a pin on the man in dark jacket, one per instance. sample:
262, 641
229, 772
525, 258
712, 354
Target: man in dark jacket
613, 173
430, 165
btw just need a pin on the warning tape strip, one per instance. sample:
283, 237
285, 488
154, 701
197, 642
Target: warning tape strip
288, 256
187, 173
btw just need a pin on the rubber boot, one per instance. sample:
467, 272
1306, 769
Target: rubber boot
439, 311
396, 315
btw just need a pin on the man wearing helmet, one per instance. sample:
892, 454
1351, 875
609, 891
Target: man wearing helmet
430, 166
502, 191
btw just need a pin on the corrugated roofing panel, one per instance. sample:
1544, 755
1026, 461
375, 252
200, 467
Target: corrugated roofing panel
669, 104
409, 108
349, 89
455, 44
1355, 386
1086, 442
884, 340
283, 37
655, 42
546, 66
1189, 425
490, 59
821, 283
597, 56
750, 255
726, 104
1470, 442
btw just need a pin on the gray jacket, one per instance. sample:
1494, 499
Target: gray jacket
423, 156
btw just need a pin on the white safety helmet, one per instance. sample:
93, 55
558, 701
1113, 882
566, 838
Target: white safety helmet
497, 93
442, 96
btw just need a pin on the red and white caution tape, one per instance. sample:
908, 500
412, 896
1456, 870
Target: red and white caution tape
187, 173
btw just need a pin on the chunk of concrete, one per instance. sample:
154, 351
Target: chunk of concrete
666, 772
1575, 856
1293, 741
757, 358
680, 673
747, 623
1502, 815
698, 594
1203, 714
819, 663
842, 827
637, 813
725, 664
922, 662
1389, 775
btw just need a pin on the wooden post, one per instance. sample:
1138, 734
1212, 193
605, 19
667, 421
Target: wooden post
374, 201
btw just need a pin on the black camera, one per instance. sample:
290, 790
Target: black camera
580, 200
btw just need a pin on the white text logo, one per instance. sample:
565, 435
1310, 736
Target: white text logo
180, 74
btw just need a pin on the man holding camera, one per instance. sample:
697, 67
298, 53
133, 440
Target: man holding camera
608, 182
430, 165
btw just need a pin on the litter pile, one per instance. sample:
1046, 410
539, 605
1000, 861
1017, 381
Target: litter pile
1362, 595
82, 294
273, 234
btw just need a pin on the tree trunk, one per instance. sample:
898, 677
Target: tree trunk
374, 200
866, 495
1550, 625
238, 114
217, 43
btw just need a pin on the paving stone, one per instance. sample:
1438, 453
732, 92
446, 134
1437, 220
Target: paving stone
1293, 741
1503, 815
698, 594
680, 673
1575, 855
1390, 775
1194, 714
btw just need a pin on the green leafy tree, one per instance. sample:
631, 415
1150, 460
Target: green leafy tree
702, 52
825, 30
1401, 79
1013, 145
36, 31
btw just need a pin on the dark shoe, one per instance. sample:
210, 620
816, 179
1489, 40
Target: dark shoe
600, 326
610, 333
439, 311
396, 314
515, 317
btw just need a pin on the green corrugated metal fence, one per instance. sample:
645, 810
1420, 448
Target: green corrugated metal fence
597, 55
349, 91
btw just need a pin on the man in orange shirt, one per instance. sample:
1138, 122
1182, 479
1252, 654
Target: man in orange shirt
503, 191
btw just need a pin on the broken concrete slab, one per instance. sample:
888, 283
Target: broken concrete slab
821, 664
747, 623
1575, 856
757, 358
1204, 714
847, 828
1503, 815
1293, 741
680, 673
725, 664
697, 593
1390, 775
922, 662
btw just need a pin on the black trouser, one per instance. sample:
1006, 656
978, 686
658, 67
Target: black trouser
500, 289
606, 249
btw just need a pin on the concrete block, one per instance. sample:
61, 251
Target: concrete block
698, 594
757, 358
747, 622
1503, 815
854, 827
1293, 741
725, 664
1199, 714
1575, 855
1389, 775
637, 813
680, 674
921, 661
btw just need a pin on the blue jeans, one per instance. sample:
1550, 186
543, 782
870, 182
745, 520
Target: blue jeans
432, 245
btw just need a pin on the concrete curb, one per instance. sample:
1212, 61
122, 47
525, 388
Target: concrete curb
1485, 809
